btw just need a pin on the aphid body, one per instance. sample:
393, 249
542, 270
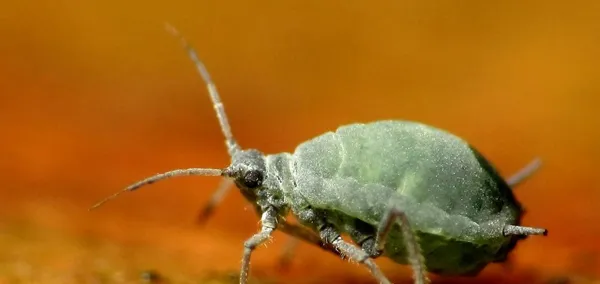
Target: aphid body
455, 201
399, 189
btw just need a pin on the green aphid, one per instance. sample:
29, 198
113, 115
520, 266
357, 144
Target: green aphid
404, 190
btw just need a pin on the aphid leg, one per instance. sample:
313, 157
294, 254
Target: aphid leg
287, 253
269, 223
217, 197
411, 243
524, 173
329, 235
298, 233
352, 252
305, 234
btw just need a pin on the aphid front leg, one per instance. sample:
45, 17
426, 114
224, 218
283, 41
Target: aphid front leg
269, 223
411, 243
216, 198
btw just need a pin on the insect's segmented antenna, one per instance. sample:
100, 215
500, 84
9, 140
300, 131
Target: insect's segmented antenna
162, 176
232, 145
523, 231
524, 173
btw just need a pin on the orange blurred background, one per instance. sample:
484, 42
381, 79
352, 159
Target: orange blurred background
96, 95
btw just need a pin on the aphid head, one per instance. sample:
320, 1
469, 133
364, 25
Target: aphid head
247, 169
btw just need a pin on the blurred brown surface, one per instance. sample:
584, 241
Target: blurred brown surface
95, 95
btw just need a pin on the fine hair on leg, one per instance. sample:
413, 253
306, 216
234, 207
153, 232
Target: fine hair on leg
268, 225
300, 233
352, 252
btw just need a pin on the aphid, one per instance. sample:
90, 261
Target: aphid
400, 189
287, 252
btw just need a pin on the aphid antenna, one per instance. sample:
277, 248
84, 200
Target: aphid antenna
163, 176
232, 146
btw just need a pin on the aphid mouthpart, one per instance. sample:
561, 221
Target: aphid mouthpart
162, 176
511, 230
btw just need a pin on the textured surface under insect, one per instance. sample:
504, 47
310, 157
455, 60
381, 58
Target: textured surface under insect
455, 200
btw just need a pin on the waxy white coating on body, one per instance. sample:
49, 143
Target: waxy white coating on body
444, 186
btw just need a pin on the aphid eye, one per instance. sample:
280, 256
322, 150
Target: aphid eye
253, 179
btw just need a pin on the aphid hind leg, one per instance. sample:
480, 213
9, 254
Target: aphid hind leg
269, 223
524, 173
411, 243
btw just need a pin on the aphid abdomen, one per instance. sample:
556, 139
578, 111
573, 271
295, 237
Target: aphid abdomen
417, 161
455, 200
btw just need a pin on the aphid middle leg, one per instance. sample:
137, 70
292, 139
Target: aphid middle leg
329, 235
411, 243
269, 223
352, 252
363, 234
300, 233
